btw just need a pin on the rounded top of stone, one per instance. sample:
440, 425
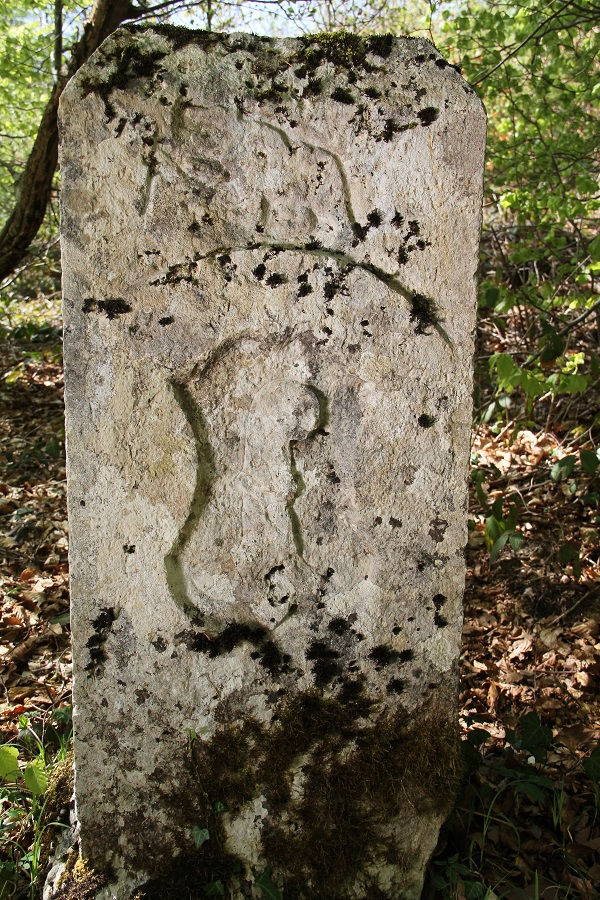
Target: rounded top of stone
351, 69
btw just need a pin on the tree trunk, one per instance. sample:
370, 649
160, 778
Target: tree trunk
36, 183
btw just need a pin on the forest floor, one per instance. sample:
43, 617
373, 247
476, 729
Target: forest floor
527, 821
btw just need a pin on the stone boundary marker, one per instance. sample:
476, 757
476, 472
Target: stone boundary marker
270, 249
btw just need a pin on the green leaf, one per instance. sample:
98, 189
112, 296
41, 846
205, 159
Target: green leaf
531, 790
52, 448
594, 249
214, 889
35, 777
267, 888
200, 836
552, 346
591, 765
497, 508
573, 384
498, 546
492, 295
531, 736
533, 385
567, 553
563, 468
507, 373
9, 768
589, 461
478, 477
516, 540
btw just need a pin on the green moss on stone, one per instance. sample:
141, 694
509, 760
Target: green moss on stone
361, 770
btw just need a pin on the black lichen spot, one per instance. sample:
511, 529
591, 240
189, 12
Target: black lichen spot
88, 305
439, 620
104, 620
129, 548
423, 313
260, 271
426, 421
437, 530
438, 601
396, 629
113, 307
334, 286
141, 695
377, 520
353, 692
276, 278
413, 229
395, 523
102, 625
428, 115
397, 219
313, 245
406, 655
374, 218
441, 63
339, 626
382, 655
304, 289
234, 634
360, 231
395, 686
373, 93
325, 662
166, 320
390, 128
343, 95
313, 88
159, 644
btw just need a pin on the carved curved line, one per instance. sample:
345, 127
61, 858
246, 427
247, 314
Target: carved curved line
321, 422
320, 149
205, 476
344, 259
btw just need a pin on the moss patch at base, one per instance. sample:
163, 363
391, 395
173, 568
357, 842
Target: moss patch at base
336, 778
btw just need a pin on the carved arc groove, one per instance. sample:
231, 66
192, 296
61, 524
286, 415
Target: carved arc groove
205, 475
321, 422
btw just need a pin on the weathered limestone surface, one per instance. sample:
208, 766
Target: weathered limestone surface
270, 250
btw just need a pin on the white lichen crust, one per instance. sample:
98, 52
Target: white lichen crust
270, 252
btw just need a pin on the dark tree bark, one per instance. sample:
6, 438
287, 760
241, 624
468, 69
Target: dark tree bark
36, 183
